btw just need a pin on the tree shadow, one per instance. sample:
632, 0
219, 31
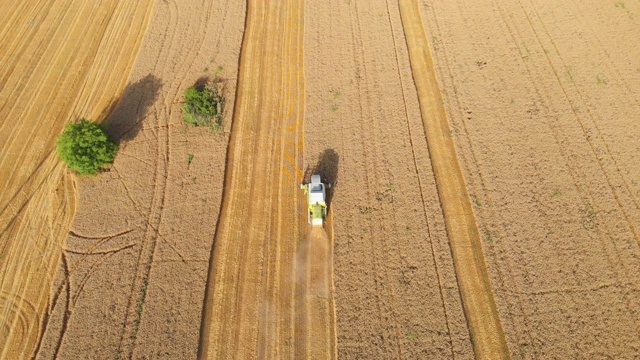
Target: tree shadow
126, 115
327, 168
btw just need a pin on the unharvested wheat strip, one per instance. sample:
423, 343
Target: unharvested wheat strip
479, 306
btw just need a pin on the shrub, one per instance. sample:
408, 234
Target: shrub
203, 106
85, 147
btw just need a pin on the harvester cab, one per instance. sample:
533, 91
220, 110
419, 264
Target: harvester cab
316, 192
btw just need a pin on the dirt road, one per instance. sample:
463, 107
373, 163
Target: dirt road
250, 301
61, 60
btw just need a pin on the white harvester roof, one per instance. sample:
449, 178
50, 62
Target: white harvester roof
316, 190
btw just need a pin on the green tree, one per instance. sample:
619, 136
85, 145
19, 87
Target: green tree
85, 147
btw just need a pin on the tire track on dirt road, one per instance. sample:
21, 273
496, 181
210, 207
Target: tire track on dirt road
479, 306
249, 309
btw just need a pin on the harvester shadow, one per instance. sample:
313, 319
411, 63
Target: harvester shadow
126, 114
327, 168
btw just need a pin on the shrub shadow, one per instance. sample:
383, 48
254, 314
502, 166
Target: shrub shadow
130, 110
202, 82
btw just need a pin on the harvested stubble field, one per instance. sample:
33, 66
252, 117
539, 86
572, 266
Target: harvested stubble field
59, 60
486, 201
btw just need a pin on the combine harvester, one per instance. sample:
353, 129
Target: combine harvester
316, 192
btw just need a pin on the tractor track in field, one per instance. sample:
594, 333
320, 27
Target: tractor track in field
526, 333
315, 333
514, 302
